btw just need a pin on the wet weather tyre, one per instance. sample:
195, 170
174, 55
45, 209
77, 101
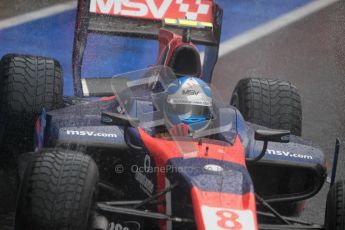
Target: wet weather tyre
274, 104
27, 84
335, 207
57, 192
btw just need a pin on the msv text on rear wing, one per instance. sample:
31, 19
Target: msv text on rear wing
143, 19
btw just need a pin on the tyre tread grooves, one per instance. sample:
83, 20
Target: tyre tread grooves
275, 104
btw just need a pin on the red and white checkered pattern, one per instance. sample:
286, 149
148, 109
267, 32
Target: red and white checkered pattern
192, 15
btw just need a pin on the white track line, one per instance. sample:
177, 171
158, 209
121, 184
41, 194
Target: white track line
271, 26
38, 14
86, 91
225, 48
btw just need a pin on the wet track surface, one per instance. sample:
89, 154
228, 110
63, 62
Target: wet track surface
309, 53
17, 7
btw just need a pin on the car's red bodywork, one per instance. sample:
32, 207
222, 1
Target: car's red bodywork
211, 208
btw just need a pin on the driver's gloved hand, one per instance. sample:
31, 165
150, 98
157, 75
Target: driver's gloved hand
179, 130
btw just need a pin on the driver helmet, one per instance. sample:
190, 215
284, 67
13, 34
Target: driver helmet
188, 102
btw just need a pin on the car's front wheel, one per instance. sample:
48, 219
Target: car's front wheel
275, 104
57, 192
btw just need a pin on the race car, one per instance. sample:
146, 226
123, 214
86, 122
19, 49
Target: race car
158, 148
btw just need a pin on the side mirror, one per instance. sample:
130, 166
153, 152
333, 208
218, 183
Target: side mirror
266, 135
273, 135
109, 118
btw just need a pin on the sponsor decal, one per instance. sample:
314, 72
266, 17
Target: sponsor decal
119, 169
145, 184
147, 163
107, 119
105, 135
127, 225
188, 101
199, 10
288, 154
90, 133
190, 92
285, 138
213, 168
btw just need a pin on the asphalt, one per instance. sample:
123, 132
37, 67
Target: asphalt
8, 186
309, 53
17, 7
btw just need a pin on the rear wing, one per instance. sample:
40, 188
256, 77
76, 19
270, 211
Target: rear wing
143, 19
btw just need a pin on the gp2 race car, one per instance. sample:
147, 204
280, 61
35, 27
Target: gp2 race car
106, 159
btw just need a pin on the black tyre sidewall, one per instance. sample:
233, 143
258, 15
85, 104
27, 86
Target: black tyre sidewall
237, 98
22, 193
335, 207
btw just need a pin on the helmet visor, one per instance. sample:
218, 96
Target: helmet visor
188, 109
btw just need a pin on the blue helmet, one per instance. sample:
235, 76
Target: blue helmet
188, 101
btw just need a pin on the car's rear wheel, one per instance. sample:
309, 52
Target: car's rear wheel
335, 207
274, 104
57, 192
28, 84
